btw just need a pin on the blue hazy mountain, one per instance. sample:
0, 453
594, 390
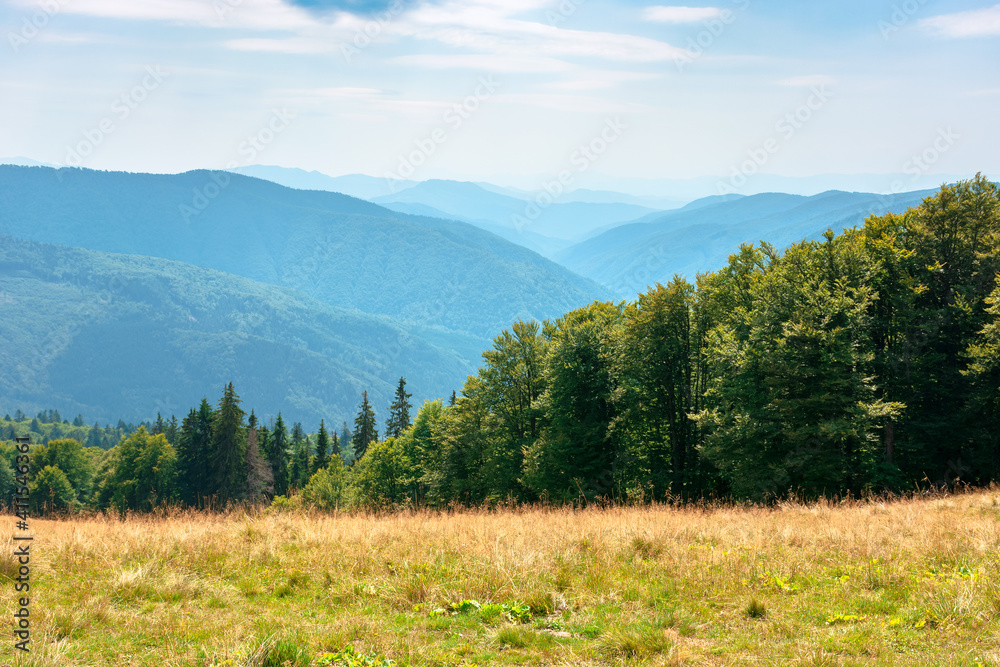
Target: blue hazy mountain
700, 236
545, 246
570, 221
111, 336
342, 251
355, 185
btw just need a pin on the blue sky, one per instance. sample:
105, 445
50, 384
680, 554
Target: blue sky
504, 90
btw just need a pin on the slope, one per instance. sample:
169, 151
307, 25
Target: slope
700, 236
340, 250
468, 201
113, 336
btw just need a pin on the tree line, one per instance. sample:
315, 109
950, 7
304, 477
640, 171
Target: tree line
867, 361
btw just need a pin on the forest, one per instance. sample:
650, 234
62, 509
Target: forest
863, 363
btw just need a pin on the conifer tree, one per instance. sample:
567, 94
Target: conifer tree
276, 451
298, 468
364, 427
322, 457
171, 430
260, 480
229, 445
159, 426
399, 412
194, 444
346, 440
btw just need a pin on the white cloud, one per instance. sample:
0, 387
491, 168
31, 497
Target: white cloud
485, 26
807, 81
252, 14
598, 80
352, 101
482, 27
974, 23
483, 62
665, 14
570, 103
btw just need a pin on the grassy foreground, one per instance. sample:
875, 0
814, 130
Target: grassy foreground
913, 582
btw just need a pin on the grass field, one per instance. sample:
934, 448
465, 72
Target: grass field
910, 582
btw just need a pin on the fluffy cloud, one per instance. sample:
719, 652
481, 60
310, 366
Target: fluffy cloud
974, 23
666, 14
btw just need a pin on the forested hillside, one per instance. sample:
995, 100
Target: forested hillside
699, 237
118, 336
867, 361
341, 251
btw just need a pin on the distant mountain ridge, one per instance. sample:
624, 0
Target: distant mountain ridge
701, 236
340, 250
355, 185
543, 224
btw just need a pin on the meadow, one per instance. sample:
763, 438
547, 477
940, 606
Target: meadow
913, 581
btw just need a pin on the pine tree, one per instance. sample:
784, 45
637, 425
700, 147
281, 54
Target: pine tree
454, 399
276, 451
171, 431
335, 447
260, 480
399, 412
94, 437
194, 454
345, 443
322, 457
159, 426
229, 445
298, 469
364, 427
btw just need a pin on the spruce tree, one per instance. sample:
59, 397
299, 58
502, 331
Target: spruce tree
276, 451
346, 438
298, 469
399, 412
364, 428
229, 445
260, 480
159, 426
322, 457
194, 443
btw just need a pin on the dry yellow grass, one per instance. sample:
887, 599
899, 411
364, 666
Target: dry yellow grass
902, 583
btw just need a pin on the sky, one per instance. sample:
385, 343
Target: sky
512, 91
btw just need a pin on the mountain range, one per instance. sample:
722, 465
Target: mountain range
700, 236
124, 294
423, 295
